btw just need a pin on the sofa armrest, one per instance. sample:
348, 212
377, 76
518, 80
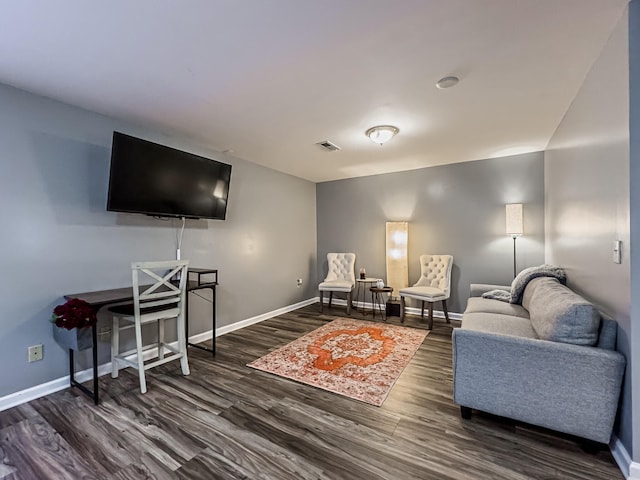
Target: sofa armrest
477, 289
568, 388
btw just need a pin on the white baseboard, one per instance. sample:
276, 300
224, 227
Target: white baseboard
28, 394
629, 468
261, 318
24, 396
412, 310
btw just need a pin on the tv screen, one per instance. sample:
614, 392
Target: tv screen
161, 181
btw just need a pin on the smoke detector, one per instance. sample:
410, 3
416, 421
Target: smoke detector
447, 82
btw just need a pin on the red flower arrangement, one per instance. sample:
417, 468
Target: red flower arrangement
75, 313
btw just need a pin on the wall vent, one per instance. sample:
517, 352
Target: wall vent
327, 145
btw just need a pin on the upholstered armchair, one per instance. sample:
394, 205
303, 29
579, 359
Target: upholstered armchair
340, 277
434, 285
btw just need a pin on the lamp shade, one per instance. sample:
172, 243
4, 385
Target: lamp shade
397, 264
515, 223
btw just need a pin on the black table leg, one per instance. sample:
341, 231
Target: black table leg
94, 335
94, 354
213, 321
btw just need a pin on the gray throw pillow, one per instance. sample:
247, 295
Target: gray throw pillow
497, 294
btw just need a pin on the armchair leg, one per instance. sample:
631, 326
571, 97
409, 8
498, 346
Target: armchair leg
430, 326
321, 301
330, 298
401, 309
465, 412
446, 312
422, 310
349, 303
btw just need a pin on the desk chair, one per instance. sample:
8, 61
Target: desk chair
433, 285
159, 302
340, 277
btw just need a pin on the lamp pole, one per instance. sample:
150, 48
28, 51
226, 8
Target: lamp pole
515, 226
514, 255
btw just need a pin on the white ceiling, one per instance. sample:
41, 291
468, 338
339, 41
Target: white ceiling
267, 79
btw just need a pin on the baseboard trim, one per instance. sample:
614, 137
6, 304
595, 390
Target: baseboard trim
411, 310
629, 468
260, 318
28, 394
23, 396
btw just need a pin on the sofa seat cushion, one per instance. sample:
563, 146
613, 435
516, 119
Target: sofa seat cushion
487, 305
559, 314
497, 323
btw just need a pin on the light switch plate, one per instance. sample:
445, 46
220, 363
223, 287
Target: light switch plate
617, 251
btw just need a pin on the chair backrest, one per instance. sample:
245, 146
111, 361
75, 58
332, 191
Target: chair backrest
435, 271
341, 267
168, 288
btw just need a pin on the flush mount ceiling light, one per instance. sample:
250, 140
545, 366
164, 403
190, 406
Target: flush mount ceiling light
382, 133
447, 82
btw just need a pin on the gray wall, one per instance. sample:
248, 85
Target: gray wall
456, 209
587, 190
57, 237
633, 380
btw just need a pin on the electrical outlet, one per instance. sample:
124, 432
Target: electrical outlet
35, 353
299, 282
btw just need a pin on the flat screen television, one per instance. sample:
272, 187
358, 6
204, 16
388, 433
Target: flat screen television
157, 180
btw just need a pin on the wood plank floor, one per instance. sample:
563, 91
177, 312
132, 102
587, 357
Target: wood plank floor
228, 421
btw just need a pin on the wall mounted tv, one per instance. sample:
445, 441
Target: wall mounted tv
161, 181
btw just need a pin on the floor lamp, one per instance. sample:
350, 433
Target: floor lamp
515, 226
396, 248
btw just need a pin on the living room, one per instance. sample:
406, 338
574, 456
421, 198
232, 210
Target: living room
279, 227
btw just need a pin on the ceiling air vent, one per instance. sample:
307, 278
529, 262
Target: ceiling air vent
327, 145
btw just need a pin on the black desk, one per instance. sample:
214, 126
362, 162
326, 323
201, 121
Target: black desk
99, 299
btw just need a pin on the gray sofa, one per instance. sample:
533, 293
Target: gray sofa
549, 362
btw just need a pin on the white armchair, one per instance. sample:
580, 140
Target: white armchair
340, 277
434, 285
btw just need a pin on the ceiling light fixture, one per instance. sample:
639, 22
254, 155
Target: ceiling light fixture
447, 82
382, 133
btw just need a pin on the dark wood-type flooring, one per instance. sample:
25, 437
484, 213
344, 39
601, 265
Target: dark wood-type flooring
229, 421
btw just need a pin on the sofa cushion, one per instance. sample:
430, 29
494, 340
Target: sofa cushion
487, 305
496, 323
561, 315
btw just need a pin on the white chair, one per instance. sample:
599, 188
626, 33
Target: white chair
434, 285
161, 301
340, 277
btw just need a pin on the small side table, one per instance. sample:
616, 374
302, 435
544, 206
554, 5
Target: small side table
363, 282
378, 302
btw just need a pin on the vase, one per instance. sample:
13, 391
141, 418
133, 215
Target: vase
75, 339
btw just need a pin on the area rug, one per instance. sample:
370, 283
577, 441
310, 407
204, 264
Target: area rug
355, 358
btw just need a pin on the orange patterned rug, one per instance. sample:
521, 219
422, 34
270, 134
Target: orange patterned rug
355, 358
